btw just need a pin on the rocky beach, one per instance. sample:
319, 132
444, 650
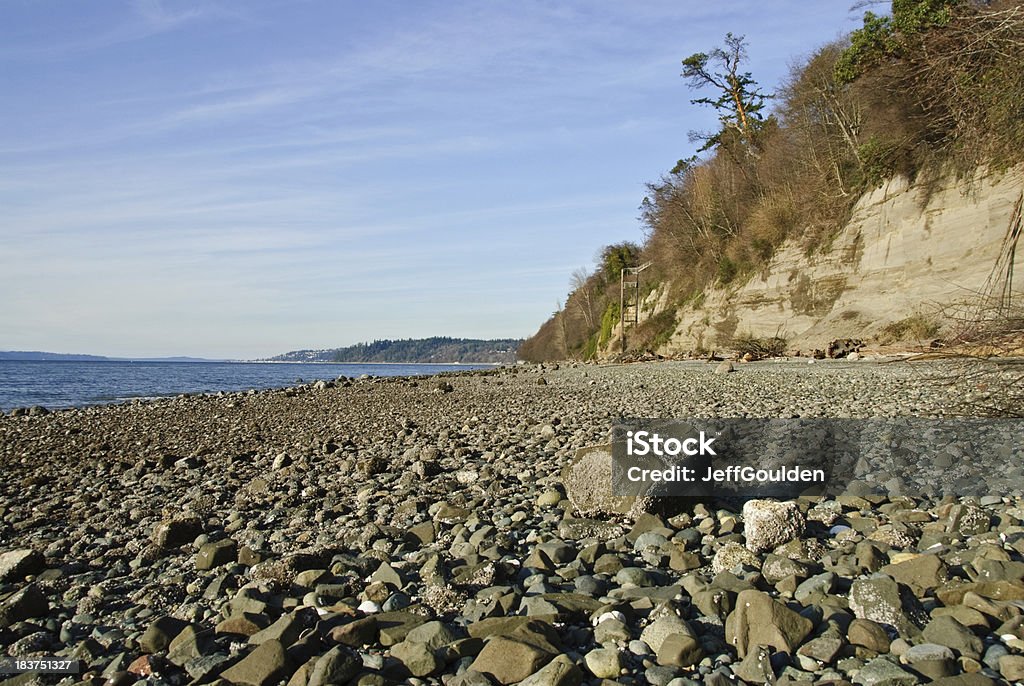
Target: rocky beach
385, 530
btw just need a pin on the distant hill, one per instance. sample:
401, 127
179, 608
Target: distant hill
38, 356
437, 350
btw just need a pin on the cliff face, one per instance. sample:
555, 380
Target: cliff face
902, 253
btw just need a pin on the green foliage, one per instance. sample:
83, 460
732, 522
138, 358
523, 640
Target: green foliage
436, 349
878, 160
683, 165
882, 38
739, 100
608, 322
589, 351
664, 325
615, 258
868, 45
727, 270
911, 17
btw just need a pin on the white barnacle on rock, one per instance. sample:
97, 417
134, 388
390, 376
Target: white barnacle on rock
614, 614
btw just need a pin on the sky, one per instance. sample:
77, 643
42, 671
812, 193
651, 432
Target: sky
236, 179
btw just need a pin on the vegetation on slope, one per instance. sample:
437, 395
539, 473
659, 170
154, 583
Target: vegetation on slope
933, 87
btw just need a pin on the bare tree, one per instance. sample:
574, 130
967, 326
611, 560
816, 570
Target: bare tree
584, 296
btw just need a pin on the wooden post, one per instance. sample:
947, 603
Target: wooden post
622, 308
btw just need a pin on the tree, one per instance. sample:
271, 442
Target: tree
740, 102
615, 258
884, 37
584, 295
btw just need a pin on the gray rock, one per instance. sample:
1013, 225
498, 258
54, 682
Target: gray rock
768, 524
212, 555
419, 659
633, 576
928, 651
187, 645
638, 647
883, 672
655, 634
776, 568
1012, 667
287, 629
509, 660
588, 485
756, 666
386, 574
200, 667
433, 635
359, 632
993, 654
948, 632
15, 565
470, 677
610, 631
922, 574
680, 650
760, 620
819, 584
868, 634
967, 519
732, 554
23, 604
561, 671
604, 663
879, 599
661, 675
265, 666
932, 660
549, 498
823, 649
177, 531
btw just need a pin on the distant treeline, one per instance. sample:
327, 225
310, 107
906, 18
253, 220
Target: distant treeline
435, 350
39, 356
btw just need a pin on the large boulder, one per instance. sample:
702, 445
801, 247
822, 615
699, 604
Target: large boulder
588, 485
768, 524
15, 565
760, 620
880, 599
509, 661
266, 665
23, 604
176, 531
516, 648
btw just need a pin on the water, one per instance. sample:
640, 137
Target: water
55, 384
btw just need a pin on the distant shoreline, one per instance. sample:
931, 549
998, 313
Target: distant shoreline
461, 364
122, 360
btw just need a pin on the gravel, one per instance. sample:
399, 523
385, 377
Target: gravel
381, 530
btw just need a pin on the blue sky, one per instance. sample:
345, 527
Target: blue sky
239, 179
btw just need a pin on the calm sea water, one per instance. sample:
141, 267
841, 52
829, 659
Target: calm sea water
74, 384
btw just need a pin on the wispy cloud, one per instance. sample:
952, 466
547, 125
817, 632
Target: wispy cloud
134, 21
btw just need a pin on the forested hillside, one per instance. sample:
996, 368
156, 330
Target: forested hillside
436, 350
932, 89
